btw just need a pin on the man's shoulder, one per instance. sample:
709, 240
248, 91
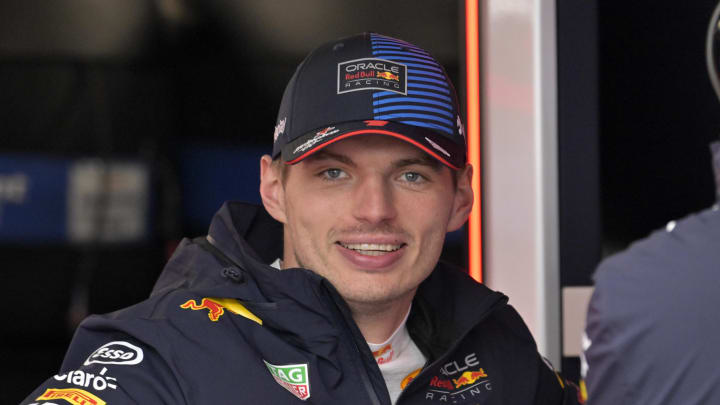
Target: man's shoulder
173, 312
143, 353
690, 242
655, 289
172, 329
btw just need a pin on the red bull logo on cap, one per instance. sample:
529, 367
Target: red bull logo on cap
372, 74
388, 76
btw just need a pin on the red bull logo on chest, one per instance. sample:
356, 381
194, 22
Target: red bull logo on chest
459, 381
468, 378
215, 310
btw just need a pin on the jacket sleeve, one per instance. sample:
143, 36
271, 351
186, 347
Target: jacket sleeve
553, 389
610, 334
109, 367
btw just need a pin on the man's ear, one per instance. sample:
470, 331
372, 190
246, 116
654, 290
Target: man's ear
271, 188
463, 202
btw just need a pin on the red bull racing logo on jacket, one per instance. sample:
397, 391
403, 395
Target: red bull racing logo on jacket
459, 381
468, 378
216, 308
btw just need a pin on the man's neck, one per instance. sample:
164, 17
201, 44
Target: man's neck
377, 324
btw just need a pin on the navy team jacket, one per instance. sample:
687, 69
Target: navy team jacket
223, 327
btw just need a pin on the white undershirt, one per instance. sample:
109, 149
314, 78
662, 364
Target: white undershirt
398, 357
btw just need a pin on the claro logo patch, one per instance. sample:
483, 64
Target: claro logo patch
98, 382
118, 352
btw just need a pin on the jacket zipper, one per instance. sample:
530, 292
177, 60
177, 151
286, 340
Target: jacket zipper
364, 377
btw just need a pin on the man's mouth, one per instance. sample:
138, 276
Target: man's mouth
371, 249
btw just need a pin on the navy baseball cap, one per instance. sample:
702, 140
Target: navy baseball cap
370, 84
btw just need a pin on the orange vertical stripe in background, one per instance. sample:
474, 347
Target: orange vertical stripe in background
472, 57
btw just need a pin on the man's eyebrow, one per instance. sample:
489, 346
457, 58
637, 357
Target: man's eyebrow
322, 154
423, 161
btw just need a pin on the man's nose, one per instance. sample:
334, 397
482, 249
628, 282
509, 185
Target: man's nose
374, 202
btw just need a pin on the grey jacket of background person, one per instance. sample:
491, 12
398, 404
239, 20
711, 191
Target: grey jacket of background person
653, 322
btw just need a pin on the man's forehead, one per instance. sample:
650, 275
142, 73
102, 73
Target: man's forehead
400, 152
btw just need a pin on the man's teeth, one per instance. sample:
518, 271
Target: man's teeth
371, 249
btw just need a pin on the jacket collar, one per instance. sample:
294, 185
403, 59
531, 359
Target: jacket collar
447, 306
304, 306
248, 234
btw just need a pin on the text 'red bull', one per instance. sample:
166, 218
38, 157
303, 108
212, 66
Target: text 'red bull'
469, 377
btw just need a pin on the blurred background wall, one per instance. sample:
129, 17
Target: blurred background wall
125, 124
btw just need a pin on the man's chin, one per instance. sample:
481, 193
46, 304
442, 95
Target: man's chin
378, 297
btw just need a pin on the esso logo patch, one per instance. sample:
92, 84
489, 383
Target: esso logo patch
116, 353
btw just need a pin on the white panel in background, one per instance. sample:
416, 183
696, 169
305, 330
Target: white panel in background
519, 155
107, 201
575, 304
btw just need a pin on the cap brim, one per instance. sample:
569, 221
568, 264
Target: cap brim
446, 151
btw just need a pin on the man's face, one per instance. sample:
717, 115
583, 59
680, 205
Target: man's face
370, 214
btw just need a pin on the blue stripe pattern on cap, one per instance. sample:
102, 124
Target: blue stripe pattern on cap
428, 102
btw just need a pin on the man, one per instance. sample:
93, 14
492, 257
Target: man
652, 322
367, 174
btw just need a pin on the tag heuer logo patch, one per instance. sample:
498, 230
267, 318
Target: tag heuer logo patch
372, 74
293, 377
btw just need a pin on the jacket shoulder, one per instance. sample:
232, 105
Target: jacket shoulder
109, 366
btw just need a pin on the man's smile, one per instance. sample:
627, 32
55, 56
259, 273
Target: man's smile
375, 255
371, 249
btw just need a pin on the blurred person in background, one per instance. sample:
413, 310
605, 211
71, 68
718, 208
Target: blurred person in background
333, 291
652, 322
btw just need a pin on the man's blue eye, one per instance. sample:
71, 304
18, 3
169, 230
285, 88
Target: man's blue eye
412, 177
333, 173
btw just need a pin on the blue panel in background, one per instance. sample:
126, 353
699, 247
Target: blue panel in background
33, 198
213, 174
